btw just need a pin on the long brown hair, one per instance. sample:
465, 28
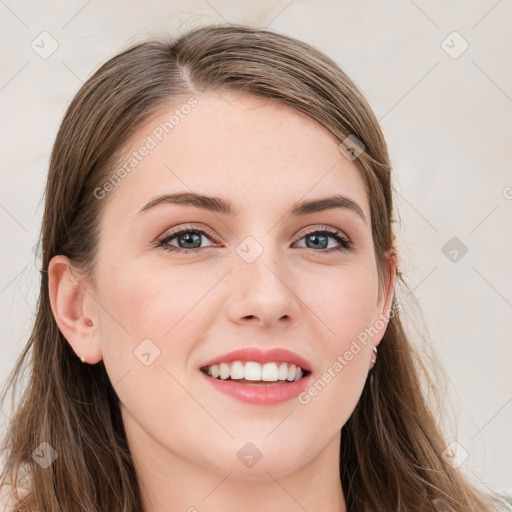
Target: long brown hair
391, 447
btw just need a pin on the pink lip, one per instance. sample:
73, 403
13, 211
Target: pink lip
260, 394
270, 393
278, 355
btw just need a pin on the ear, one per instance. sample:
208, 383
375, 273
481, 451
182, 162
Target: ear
385, 297
74, 310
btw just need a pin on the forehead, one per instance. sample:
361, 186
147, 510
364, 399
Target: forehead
255, 152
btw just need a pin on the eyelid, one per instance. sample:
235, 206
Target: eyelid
310, 229
330, 229
187, 227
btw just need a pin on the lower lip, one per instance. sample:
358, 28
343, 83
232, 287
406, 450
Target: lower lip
260, 394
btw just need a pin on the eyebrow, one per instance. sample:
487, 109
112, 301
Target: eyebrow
219, 205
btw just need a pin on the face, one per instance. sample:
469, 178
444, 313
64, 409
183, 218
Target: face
260, 277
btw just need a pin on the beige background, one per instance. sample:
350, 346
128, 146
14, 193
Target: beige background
445, 109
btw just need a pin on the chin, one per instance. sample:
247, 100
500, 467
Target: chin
260, 460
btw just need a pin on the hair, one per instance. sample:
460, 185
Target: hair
391, 456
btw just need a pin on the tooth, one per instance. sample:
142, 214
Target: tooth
224, 371
291, 373
269, 372
237, 370
282, 372
252, 371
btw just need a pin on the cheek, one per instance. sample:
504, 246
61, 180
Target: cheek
346, 306
345, 303
150, 301
162, 305
150, 328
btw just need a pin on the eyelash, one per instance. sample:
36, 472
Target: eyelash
346, 243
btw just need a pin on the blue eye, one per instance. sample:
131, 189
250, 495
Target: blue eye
319, 237
190, 239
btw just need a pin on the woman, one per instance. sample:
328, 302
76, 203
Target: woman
217, 326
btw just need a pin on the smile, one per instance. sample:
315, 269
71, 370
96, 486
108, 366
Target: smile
252, 371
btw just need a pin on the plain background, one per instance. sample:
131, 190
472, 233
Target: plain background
444, 101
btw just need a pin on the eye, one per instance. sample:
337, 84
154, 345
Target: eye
319, 239
188, 240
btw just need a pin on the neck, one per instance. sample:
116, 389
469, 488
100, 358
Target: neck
171, 483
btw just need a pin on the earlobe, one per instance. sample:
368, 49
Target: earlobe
71, 310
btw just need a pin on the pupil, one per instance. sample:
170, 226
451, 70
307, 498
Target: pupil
315, 239
188, 238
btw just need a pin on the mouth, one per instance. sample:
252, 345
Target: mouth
256, 374
258, 377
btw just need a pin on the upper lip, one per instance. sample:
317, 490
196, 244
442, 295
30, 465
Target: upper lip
261, 356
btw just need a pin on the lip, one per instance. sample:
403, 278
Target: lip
260, 394
270, 393
278, 355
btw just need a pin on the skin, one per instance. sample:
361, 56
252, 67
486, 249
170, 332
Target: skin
185, 435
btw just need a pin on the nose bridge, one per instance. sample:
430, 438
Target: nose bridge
260, 282
259, 260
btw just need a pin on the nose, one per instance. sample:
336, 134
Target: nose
262, 292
